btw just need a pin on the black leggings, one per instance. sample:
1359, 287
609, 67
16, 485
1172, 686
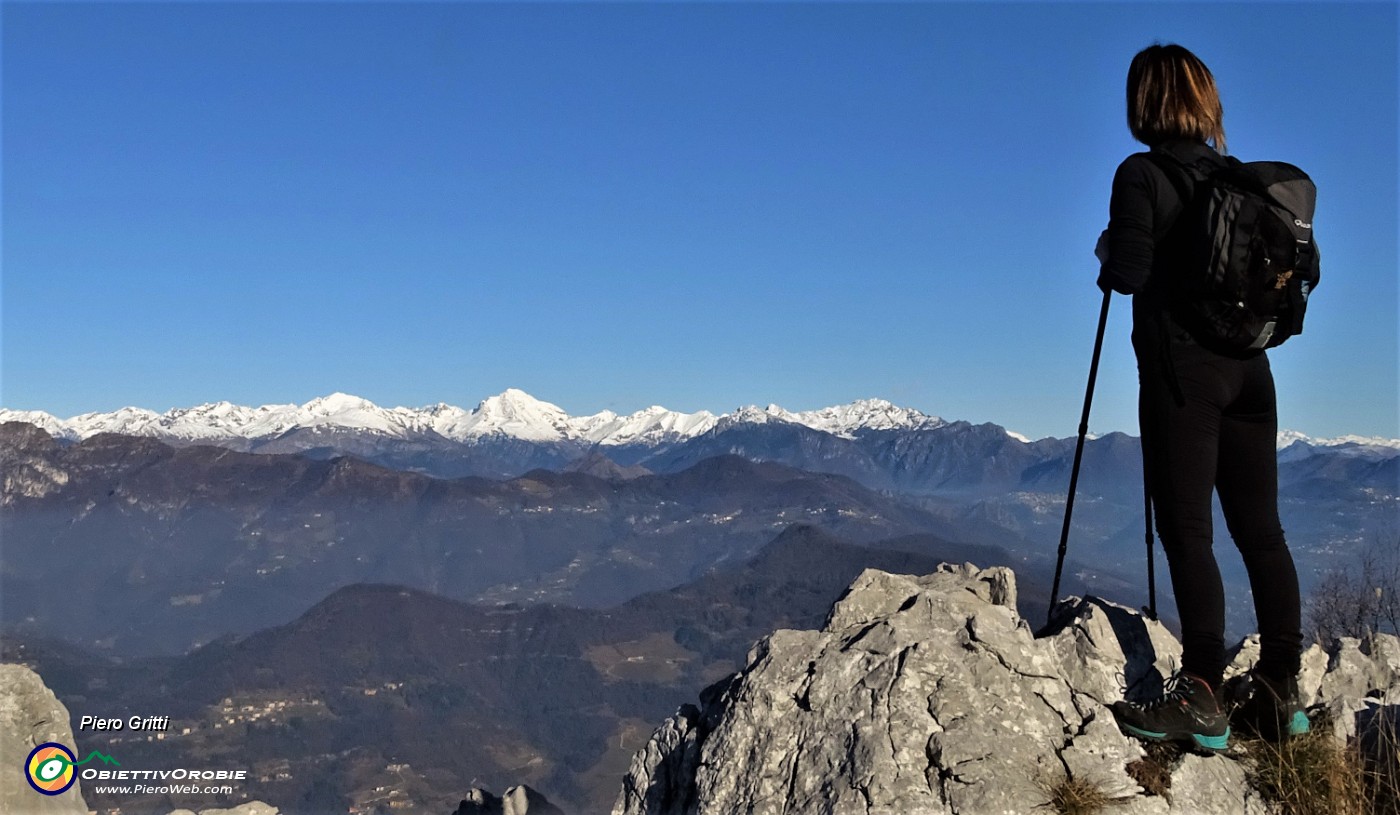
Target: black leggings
1216, 428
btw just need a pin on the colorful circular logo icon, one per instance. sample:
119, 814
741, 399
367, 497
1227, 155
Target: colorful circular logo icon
49, 768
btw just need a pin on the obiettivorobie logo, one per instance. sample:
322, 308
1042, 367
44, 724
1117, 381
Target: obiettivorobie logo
50, 768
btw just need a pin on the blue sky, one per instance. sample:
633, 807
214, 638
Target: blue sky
618, 205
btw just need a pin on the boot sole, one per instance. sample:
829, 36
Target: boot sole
1198, 743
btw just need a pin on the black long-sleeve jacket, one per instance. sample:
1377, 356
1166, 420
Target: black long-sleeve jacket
1138, 258
1143, 206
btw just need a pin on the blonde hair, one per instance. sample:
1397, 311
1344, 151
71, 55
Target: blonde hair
1172, 95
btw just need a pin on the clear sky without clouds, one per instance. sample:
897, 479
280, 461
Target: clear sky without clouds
618, 205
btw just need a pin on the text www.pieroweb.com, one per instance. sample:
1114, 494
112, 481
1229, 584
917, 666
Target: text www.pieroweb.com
164, 789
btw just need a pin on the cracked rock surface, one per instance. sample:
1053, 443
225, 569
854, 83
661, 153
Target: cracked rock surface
930, 695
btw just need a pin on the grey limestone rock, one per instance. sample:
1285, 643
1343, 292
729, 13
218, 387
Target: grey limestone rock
30, 715
250, 808
518, 800
929, 694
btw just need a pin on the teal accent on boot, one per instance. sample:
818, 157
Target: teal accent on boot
1271, 708
1188, 711
1218, 743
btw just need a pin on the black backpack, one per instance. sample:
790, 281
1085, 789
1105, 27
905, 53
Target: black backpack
1248, 259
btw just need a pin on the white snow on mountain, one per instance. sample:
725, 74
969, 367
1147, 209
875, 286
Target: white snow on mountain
130, 421
1293, 446
516, 414
865, 414
654, 425
446, 420
753, 414
1286, 438
1364, 441
47, 422
215, 420
341, 410
512, 413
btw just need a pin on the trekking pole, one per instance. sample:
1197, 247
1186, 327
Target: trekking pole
1078, 456
1147, 513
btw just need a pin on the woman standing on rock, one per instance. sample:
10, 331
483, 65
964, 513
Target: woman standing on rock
1208, 420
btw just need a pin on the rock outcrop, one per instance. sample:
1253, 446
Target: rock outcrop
30, 715
518, 800
250, 808
929, 694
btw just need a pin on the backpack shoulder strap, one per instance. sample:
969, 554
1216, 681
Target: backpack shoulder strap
1182, 176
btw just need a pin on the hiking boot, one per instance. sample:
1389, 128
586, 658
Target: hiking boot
1188, 712
1269, 708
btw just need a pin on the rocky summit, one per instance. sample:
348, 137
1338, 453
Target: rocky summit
924, 695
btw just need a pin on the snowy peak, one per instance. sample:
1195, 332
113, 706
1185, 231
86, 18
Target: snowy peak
514, 399
341, 410
211, 421
446, 420
338, 403
1293, 445
867, 414
840, 420
753, 414
46, 422
1287, 438
516, 414
653, 425
130, 421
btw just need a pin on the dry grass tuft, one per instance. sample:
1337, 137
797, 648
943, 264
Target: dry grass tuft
1314, 774
1379, 750
1069, 795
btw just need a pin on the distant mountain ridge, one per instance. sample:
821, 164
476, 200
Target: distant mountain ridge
147, 545
579, 520
513, 414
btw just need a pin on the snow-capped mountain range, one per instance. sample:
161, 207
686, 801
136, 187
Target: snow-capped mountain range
511, 414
